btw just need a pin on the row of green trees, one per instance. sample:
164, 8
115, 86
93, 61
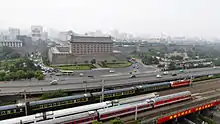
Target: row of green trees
21, 68
54, 94
20, 74
149, 60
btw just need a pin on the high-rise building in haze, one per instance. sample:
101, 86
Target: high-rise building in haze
36, 32
63, 36
13, 33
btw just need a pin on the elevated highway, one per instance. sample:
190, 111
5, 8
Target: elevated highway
14, 88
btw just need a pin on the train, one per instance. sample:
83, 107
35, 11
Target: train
16, 110
100, 111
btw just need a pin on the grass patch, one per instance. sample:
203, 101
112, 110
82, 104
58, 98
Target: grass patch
75, 67
116, 64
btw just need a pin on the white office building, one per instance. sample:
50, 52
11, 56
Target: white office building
13, 33
36, 32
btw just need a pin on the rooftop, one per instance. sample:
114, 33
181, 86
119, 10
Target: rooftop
10, 40
91, 39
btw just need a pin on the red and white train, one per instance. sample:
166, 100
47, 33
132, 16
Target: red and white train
100, 111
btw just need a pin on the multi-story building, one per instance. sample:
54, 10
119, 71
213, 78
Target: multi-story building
13, 33
81, 49
27, 41
81, 45
63, 36
11, 43
36, 32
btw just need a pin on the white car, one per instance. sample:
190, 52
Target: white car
159, 76
54, 82
81, 74
165, 73
111, 71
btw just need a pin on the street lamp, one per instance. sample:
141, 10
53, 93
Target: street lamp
102, 97
85, 82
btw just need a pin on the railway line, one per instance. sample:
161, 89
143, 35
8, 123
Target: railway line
201, 86
201, 93
150, 115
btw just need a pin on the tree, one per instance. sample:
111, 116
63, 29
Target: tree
105, 61
30, 74
86, 61
40, 77
7, 77
54, 94
93, 61
21, 74
75, 63
172, 65
96, 122
116, 121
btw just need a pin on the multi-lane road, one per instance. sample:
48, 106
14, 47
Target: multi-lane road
77, 84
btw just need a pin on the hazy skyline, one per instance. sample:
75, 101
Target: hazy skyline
174, 17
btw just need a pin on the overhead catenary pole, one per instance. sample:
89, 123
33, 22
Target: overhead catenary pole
102, 98
25, 102
136, 113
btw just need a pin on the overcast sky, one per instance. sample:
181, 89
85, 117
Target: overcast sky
174, 17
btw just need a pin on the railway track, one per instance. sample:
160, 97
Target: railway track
151, 114
201, 86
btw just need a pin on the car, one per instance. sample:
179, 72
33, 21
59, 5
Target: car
91, 76
54, 82
214, 67
174, 74
111, 71
132, 76
165, 73
181, 70
159, 76
81, 74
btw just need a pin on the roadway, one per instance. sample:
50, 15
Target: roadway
92, 84
123, 76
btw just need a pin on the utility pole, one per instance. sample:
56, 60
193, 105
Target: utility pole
191, 81
25, 102
85, 83
136, 113
102, 98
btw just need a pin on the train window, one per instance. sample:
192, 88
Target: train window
8, 112
50, 105
41, 106
70, 102
21, 110
118, 94
45, 105
54, 104
3, 112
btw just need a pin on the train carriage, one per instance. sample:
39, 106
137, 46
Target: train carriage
122, 110
119, 93
58, 103
172, 98
180, 83
10, 111
153, 87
